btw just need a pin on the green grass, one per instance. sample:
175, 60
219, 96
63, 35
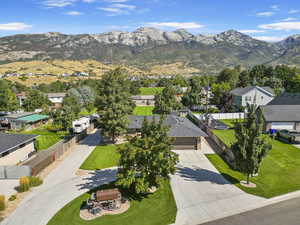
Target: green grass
227, 136
101, 158
150, 90
230, 122
47, 136
158, 208
279, 173
143, 110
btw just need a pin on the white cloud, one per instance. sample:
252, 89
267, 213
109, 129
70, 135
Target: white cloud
290, 19
265, 14
269, 38
74, 13
251, 31
287, 26
293, 11
14, 26
120, 1
124, 6
58, 3
117, 9
275, 7
177, 25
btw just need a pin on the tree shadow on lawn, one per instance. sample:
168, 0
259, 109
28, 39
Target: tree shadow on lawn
105, 179
199, 174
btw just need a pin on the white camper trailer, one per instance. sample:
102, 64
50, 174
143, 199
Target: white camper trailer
81, 124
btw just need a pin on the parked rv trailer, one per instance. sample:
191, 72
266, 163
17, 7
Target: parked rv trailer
81, 124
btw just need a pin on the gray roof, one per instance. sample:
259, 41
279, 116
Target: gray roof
179, 126
56, 95
286, 99
9, 141
245, 90
281, 113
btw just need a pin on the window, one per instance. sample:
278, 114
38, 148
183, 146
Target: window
262, 97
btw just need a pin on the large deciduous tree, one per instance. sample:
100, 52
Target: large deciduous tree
114, 103
147, 160
36, 100
166, 102
250, 147
8, 100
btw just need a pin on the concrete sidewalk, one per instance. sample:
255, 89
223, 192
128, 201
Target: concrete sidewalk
60, 187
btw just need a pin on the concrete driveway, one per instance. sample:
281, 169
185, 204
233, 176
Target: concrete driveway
60, 187
202, 194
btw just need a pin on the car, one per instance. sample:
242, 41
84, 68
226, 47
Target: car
290, 136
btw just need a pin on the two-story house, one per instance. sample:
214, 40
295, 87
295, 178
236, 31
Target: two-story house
252, 95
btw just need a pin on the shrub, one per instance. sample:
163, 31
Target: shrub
35, 181
12, 198
24, 184
2, 202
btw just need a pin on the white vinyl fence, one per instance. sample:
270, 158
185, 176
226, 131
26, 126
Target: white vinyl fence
222, 116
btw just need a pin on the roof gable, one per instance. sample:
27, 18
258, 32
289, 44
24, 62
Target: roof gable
242, 91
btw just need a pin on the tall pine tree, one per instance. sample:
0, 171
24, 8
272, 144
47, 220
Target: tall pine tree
114, 103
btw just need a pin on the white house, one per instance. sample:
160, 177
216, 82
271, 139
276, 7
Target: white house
252, 95
56, 99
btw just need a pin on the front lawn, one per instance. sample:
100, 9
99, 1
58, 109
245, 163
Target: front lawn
150, 90
143, 110
279, 173
102, 157
154, 209
230, 122
84, 112
227, 136
47, 136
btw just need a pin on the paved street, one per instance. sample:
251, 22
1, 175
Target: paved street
60, 187
284, 213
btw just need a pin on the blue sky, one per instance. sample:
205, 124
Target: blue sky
269, 20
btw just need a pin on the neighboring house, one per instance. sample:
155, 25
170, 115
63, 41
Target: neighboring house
283, 112
56, 99
25, 120
252, 95
143, 100
15, 148
21, 97
187, 135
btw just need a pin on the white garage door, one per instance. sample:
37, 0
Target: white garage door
283, 125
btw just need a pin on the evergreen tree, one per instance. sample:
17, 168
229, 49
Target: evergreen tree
193, 97
114, 103
166, 102
148, 159
250, 147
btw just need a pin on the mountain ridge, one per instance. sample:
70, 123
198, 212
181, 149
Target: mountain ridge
148, 45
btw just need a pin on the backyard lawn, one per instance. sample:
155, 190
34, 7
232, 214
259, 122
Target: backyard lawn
150, 90
47, 136
143, 110
158, 208
102, 157
84, 112
230, 122
279, 173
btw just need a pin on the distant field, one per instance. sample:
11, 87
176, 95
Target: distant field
150, 90
143, 110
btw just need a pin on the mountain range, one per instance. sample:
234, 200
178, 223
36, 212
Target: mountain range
150, 46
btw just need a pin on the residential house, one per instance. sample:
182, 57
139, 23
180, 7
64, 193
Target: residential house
283, 112
252, 95
143, 100
186, 134
15, 148
24, 120
56, 99
21, 97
